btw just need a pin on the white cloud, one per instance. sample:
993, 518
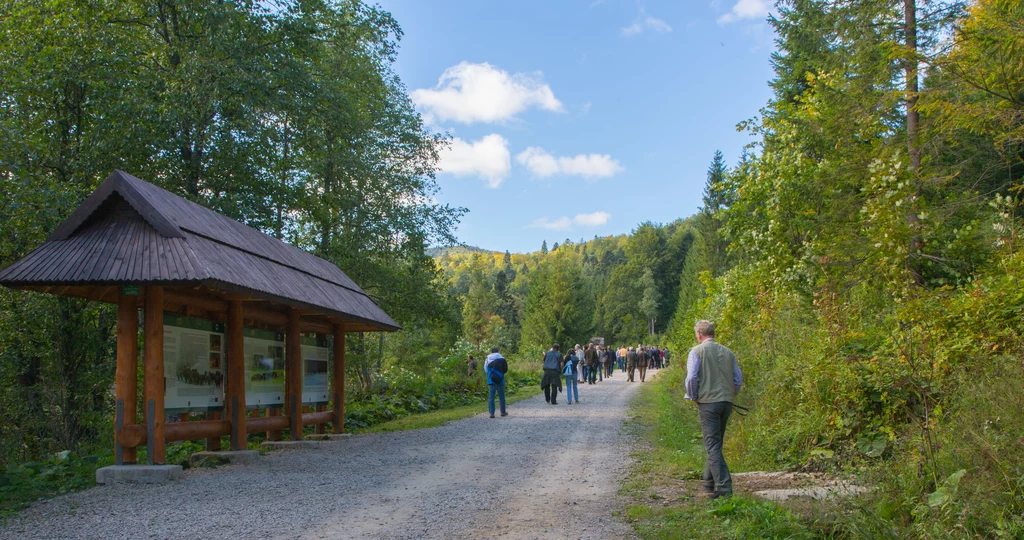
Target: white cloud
592, 220
488, 158
543, 164
746, 9
646, 23
564, 223
469, 93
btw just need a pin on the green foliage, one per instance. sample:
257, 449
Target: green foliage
872, 299
288, 118
62, 472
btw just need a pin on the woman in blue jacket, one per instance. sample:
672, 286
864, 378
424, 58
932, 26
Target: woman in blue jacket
570, 373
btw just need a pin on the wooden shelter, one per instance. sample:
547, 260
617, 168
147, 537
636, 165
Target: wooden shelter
139, 246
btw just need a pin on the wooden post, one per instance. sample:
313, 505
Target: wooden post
338, 385
235, 395
293, 375
213, 443
153, 376
126, 379
273, 435
321, 428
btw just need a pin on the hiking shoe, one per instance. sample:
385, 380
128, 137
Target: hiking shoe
492, 416
503, 414
577, 402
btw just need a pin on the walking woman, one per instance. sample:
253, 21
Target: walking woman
570, 372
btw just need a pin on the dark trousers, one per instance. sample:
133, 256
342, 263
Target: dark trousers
643, 371
713, 417
551, 394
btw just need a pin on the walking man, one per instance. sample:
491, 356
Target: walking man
630, 363
713, 379
590, 360
552, 379
495, 366
641, 361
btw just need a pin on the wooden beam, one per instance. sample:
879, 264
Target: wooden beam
126, 378
317, 417
135, 434
153, 375
293, 375
235, 397
270, 424
338, 384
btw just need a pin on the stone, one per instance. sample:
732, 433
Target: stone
234, 457
327, 436
138, 474
290, 445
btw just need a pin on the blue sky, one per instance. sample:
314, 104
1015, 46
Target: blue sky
572, 119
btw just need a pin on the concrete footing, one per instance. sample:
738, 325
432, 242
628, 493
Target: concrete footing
240, 457
138, 474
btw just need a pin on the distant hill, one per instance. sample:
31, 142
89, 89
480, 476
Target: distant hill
436, 252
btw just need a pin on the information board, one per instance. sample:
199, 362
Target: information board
264, 368
315, 359
193, 364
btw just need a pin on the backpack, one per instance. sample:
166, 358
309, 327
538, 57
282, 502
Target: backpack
496, 376
568, 368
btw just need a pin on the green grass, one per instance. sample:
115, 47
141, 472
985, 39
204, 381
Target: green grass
669, 460
441, 417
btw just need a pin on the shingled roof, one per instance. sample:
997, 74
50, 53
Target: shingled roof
130, 232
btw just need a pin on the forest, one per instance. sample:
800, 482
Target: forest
861, 257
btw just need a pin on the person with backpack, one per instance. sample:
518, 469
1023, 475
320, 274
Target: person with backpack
570, 372
495, 367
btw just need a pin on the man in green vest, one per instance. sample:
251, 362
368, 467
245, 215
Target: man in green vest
713, 379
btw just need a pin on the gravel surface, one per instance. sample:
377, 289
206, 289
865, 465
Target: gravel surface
544, 471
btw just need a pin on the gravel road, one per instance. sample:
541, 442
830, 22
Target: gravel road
544, 471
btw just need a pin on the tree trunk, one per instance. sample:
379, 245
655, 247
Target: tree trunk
913, 148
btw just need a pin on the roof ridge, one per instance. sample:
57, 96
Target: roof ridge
118, 182
280, 263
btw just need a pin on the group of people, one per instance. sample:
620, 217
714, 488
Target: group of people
591, 363
713, 379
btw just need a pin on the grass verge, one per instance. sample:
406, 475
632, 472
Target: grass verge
441, 417
668, 462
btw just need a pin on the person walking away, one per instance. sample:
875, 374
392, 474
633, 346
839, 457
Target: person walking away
668, 357
590, 361
470, 366
641, 362
631, 359
609, 362
600, 362
713, 379
570, 372
580, 367
551, 382
495, 366
622, 358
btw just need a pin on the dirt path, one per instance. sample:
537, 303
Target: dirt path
545, 471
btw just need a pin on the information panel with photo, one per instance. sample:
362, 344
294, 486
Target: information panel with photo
316, 357
264, 368
193, 364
